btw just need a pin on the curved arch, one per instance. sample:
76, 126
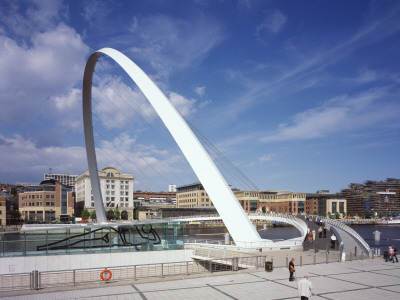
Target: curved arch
228, 207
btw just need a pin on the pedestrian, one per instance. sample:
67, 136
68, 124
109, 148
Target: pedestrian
313, 235
304, 287
333, 241
390, 256
320, 232
291, 269
324, 230
395, 253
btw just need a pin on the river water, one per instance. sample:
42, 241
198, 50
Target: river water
389, 234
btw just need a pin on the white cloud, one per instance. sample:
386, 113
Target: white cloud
29, 161
200, 90
267, 157
273, 22
339, 115
172, 44
52, 65
116, 104
185, 106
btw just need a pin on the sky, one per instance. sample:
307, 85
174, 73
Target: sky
298, 95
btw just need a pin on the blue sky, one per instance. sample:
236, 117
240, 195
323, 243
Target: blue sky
299, 95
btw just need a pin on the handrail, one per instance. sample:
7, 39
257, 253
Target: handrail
359, 240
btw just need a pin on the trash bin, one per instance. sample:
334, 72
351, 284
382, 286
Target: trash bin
268, 266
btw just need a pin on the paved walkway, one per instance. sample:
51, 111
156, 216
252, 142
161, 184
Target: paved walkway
361, 279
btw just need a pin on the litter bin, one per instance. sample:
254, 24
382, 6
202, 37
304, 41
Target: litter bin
268, 266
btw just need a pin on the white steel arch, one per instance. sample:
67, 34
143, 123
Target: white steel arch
228, 207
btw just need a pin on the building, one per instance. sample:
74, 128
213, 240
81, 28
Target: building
282, 202
116, 189
173, 212
381, 197
48, 201
154, 197
4, 194
249, 200
325, 204
192, 195
66, 179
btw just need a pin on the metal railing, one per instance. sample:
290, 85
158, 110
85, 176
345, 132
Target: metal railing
358, 239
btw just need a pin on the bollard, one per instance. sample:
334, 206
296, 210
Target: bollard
73, 277
355, 251
373, 253
162, 270
351, 256
327, 257
315, 259
35, 280
301, 260
362, 255
287, 262
235, 263
187, 268
340, 255
134, 273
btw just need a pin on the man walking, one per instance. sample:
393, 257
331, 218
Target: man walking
333, 241
291, 269
304, 287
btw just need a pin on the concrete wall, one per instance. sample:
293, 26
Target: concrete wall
12, 265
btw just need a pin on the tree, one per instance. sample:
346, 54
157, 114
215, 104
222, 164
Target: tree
93, 215
337, 215
110, 214
124, 215
85, 214
117, 214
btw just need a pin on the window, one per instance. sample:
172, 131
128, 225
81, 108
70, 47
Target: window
127, 187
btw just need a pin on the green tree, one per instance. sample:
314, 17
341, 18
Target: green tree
124, 215
93, 215
117, 214
85, 214
110, 214
337, 215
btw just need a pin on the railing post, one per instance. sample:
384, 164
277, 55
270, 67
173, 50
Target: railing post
134, 273
355, 251
287, 262
315, 259
73, 277
301, 260
162, 270
187, 268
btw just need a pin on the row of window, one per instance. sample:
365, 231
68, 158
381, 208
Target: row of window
40, 196
37, 204
121, 181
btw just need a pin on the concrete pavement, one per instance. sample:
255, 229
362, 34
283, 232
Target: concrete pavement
361, 279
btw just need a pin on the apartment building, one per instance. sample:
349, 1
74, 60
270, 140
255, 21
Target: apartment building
192, 195
373, 196
66, 179
116, 190
48, 201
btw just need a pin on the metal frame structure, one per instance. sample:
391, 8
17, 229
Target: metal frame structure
228, 207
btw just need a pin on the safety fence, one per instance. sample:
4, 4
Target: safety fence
230, 263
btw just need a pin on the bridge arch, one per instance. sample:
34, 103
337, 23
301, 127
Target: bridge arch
228, 207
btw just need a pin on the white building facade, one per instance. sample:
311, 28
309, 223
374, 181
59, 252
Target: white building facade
116, 189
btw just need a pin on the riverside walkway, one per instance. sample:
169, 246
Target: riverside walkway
357, 279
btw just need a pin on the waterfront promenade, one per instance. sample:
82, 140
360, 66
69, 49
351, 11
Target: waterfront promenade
357, 279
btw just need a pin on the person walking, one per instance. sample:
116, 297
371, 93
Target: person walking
333, 241
304, 286
324, 230
291, 269
395, 253
313, 235
391, 253
320, 232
